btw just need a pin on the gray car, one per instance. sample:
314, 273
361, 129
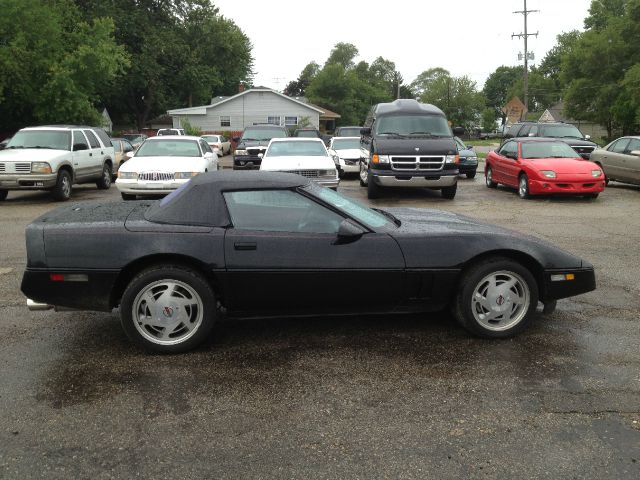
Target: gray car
620, 160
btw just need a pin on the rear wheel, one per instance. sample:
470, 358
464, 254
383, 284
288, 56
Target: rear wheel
105, 180
523, 186
373, 190
168, 309
3, 194
488, 178
450, 192
471, 174
497, 298
62, 191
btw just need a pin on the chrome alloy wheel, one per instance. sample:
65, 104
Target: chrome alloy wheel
65, 187
167, 312
523, 186
489, 177
106, 176
500, 300
364, 174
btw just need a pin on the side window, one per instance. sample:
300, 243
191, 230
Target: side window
205, 147
620, 145
534, 131
524, 131
634, 144
280, 211
513, 130
127, 147
93, 140
79, 141
117, 145
507, 148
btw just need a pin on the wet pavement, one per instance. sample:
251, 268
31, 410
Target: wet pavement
342, 397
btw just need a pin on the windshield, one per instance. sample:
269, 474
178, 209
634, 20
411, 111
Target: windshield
261, 134
210, 138
132, 137
307, 133
169, 148
365, 215
560, 131
349, 132
532, 150
432, 125
168, 131
53, 139
293, 149
346, 143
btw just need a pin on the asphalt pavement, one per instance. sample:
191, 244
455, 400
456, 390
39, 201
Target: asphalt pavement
342, 397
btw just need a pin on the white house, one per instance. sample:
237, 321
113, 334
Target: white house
250, 107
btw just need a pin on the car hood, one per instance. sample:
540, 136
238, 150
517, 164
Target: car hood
562, 165
467, 153
296, 163
577, 142
437, 239
32, 155
164, 164
415, 146
349, 153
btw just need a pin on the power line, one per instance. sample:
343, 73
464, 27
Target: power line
525, 36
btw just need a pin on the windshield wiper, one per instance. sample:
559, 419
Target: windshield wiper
42, 146
392, 133
249, 140
393, 218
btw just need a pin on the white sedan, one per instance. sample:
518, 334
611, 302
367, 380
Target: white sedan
348, 150
305, 156
219, 143
164, 163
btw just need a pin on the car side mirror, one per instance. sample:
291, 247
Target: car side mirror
587, 137
365, 131
469, 147
236, 139
349, 231
128, 155
635, 153
80, 146
208, 155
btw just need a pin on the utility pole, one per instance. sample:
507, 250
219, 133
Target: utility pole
525, 36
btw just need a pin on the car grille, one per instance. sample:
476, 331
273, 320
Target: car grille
255, 151
426, 163
155, 176
11, 167
584, 150
306, 173
351, 161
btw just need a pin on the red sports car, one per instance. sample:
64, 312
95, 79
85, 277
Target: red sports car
542, 166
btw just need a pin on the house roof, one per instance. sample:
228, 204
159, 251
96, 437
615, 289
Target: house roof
202, 109
555, 113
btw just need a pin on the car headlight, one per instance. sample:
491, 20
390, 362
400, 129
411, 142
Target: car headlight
40, 167
127, 175
473, 159
379, 158
185, 175
452, 159
241, 152
327, 173
596, 173
548, 173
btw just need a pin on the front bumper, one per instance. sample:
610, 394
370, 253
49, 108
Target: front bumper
327, 183
28, 181
135, 187
402, 179
553, 186
350, 166
247, 162
584, 281
468, 166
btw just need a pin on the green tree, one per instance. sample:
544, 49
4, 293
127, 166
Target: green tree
496, 88
343, 54
298, 88
53, 65
424, 82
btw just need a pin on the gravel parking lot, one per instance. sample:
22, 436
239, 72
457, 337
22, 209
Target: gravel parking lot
349, 397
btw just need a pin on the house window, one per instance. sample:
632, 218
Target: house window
290, 121
273, 120
225, 121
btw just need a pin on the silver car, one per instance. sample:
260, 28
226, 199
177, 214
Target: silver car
620, 160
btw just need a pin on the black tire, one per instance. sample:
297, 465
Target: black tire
127, 196
471, 174
488, 178
362, 182
3, 194
523, 186
191, 286
549, 307
62, 191
473, 279
450, 192
373, 191
105, 180
591, 196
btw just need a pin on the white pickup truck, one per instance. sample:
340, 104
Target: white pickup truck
54, 158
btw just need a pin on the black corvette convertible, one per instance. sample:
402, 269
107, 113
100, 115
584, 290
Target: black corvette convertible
263, 244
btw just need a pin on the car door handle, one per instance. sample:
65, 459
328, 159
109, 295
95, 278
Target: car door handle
245, 245
91, 154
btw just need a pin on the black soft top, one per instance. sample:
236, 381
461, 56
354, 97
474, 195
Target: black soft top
200, 201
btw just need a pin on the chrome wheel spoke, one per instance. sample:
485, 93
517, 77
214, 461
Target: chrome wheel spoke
500, 300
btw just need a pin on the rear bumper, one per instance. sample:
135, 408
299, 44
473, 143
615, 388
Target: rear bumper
397, 179
553, 289
28, 181
542, 187
350, 166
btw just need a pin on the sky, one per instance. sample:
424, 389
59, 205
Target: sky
466, 37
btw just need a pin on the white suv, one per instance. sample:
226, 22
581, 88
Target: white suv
54, 158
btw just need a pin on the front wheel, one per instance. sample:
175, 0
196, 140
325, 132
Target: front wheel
3, 194
488, 178
471, 174
364, 175
450, 192
591, 196
105, 180
373, 190
497, 298
62, 191
168, 309
523, 186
